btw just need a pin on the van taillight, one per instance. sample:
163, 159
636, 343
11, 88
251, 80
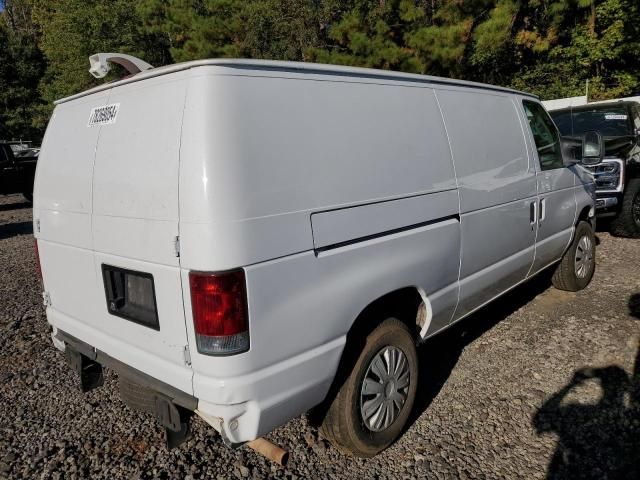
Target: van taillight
38, 266
219, 306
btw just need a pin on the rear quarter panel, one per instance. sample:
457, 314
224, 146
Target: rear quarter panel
276, 169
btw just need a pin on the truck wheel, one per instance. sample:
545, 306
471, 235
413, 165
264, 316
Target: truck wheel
373, 404
575, 270
627, 223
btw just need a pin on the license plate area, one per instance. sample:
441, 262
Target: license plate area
131, 295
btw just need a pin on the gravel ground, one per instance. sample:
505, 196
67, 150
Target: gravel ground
540, 384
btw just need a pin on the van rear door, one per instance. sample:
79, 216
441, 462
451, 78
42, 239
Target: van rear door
135, 222
121, 290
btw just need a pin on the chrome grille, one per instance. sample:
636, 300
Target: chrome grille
608, 175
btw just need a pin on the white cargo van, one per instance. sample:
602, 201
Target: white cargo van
249, 239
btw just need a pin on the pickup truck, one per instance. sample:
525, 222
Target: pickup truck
618, 174
16, 172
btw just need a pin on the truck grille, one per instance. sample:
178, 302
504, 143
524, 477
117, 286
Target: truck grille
608, 175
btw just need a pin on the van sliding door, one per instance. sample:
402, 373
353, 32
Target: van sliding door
497, 186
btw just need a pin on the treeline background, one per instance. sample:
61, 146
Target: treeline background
550, 48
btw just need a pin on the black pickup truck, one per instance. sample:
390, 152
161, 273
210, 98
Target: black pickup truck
16, 172
618, 175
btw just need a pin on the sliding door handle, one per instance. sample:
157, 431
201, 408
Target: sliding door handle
543, 209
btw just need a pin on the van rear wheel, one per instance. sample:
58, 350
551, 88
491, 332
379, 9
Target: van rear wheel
373, 404
576, 269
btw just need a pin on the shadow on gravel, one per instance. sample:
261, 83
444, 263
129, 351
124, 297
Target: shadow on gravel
12, 229
600, 440
14, 206
603, 225
439, 355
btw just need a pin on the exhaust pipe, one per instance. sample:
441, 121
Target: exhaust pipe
260, 445
271, 451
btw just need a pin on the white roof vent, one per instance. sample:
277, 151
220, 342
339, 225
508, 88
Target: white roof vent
100, 63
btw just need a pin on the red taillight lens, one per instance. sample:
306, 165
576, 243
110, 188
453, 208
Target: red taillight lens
38, 266
219, 306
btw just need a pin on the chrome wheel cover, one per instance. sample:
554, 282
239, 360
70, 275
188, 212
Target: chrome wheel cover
384, 389
584, 257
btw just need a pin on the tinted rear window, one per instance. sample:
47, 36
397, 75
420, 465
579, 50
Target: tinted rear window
610, 122
563, 122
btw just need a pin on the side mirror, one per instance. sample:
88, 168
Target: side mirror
570, 150
592, 148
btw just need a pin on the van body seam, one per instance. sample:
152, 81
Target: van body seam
455, 175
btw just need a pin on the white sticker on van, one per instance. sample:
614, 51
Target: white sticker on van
103, 115
612, 116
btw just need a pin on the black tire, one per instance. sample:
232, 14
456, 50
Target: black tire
627, 223
567, 275
343, 423
28, 197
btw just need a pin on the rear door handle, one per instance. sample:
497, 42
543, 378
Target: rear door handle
543, 209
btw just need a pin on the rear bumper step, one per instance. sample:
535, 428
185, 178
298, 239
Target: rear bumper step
177, 396
171, 407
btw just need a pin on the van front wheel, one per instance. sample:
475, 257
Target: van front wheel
575, 270
375, 400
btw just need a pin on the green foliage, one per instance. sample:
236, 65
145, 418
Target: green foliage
72, 30
196, 29
21, 67
549, 47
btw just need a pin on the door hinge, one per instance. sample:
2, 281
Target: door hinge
187, 355
176, 245
37, 225
46, 299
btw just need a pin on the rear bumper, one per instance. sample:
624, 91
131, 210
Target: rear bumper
268, 397
177, 396
275, 394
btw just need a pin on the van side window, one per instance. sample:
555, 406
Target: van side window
545, 135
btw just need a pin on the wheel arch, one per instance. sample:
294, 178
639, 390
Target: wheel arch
408, 304
587, 214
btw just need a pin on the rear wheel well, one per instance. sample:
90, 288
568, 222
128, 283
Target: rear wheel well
405, 304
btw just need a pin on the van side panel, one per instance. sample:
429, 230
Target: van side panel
301, 308
330, 195
262, 153
497, 186
336, 227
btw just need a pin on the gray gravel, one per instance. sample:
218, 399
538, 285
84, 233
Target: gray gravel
540, 384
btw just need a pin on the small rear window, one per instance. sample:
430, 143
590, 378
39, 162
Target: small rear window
610, 122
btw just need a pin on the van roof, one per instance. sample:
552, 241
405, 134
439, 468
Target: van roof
295, 67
